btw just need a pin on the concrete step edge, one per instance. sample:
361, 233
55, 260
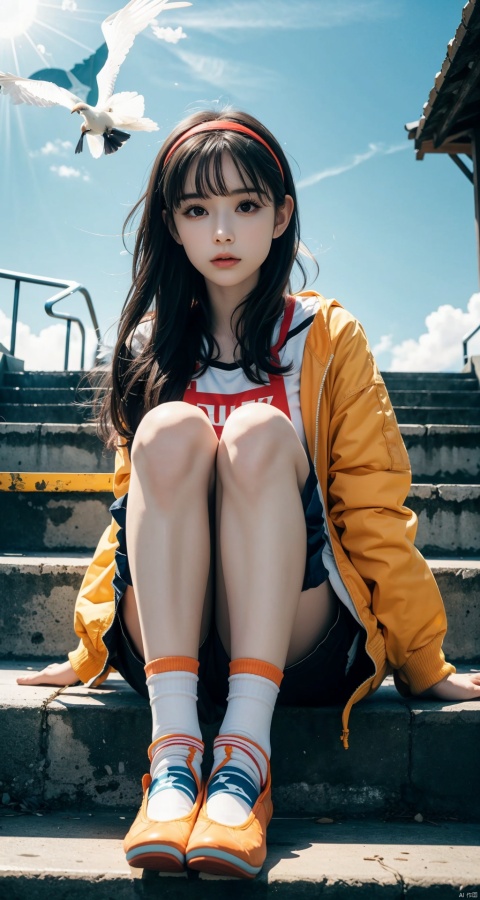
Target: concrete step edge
72, 853
79, 561
89, 428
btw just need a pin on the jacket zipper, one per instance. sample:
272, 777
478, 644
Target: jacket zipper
346, 711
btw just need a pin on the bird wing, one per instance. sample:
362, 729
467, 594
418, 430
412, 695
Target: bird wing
36, 93
119, 31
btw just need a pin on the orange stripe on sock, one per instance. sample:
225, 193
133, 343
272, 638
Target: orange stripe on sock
247, 666
172, 664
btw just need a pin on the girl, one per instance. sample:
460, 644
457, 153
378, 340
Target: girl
260, 477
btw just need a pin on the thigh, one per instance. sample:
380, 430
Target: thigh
317, 606
316, 613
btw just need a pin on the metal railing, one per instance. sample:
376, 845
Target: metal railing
68, 288
465, 342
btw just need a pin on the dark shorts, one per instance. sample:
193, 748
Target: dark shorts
327, 675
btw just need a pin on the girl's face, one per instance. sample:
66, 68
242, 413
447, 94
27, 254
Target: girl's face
227, 238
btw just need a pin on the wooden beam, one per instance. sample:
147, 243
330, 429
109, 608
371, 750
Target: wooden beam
461, 99
461, 165
428, 147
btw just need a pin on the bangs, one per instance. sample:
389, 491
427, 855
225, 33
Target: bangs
257, 171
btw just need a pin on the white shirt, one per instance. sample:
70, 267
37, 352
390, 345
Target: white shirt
222, 380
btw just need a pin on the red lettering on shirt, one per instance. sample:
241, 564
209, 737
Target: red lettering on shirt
217, 407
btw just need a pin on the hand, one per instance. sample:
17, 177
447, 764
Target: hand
455, 687
58, 674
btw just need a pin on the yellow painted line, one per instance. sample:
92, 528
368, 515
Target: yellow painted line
52, 482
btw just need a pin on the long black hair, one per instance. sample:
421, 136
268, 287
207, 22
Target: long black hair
167, 287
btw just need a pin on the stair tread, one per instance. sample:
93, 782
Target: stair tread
75, 850
117, 693
80, 560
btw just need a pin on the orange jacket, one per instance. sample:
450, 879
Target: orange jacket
364, 477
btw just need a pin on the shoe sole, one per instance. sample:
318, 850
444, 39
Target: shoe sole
218, 862
158, 857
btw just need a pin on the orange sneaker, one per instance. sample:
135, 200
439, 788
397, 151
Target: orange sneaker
162, 845
231, 849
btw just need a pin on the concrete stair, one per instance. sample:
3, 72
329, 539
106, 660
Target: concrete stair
64, 782
74, 854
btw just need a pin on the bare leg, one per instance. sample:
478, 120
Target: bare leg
168, 532
261, 542
262, 616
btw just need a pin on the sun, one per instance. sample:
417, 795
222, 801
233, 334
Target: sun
16, 16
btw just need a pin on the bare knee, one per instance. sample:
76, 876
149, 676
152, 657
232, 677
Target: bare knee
173, 441
258, 442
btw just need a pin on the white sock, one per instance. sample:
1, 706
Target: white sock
234, 790
173, 701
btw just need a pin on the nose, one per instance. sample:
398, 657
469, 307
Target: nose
223, 230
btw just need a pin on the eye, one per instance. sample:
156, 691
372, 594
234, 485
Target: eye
247, 206
195, 212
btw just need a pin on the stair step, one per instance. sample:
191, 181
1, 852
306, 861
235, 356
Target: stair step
41, 591
87, 747
438, 453
43, 395
435, 415
430, 381
45, 413
66, 521
448, 514
78, 854
441, 399
42, 379
42, 412
448, 518
32, 447
443, 453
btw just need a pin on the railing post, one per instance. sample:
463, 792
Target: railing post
16, 298
67, 345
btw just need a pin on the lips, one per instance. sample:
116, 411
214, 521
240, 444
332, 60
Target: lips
224, 261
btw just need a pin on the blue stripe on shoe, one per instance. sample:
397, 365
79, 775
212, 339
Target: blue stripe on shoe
176, 777
230, 780
225, 857
155, 848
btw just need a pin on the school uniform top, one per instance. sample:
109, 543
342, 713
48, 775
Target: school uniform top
224, 386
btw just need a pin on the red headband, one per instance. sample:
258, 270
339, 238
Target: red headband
220, 125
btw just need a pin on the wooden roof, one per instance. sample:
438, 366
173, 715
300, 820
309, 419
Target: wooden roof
453, 106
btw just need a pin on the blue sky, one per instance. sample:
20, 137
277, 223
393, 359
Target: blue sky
335, 80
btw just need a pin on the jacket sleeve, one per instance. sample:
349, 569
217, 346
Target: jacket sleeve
94, 607
369, 479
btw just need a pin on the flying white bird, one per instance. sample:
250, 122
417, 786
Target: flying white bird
101, 123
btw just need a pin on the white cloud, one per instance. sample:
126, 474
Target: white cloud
170, 35
53, 148
46, 350
383, 345
224, 74
439, 348
69, 5
373, 150
69, 172
58, 146
284, 15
